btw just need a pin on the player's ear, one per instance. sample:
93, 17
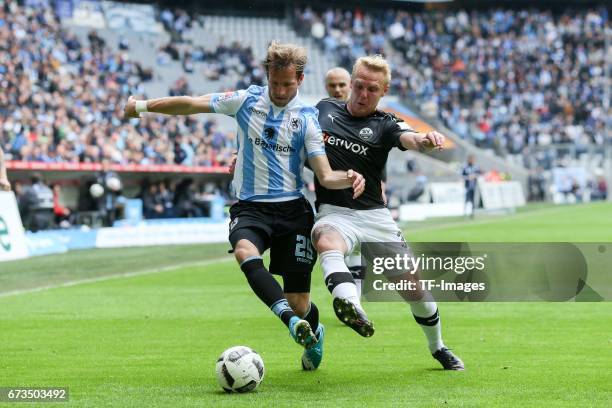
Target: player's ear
300, 78
385, 89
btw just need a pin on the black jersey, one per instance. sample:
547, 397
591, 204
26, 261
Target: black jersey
361, 144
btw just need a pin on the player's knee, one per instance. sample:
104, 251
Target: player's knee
326, 238
299, 302
244, 250
300, 309
325, 244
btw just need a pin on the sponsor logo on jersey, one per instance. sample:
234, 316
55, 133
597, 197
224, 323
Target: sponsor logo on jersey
271, 146
331, 117
351, 146
257, 112
366, 133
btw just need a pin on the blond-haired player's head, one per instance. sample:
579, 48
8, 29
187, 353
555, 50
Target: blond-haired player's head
369, 82
338, 83
284, 66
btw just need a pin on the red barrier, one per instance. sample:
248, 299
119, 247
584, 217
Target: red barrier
125, 168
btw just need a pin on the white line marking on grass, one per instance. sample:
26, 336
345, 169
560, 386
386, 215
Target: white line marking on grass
115, 276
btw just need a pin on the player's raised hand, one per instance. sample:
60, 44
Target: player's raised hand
432, 140
129, 111
358, 182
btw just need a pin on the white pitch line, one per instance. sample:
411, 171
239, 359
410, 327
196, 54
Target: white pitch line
116, 276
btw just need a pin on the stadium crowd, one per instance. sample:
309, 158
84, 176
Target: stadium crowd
504, 79
61, 101
235, 64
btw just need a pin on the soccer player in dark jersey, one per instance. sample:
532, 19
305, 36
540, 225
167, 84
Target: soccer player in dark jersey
338, 86
359, 137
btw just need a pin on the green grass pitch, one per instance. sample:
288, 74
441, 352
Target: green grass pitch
151, 339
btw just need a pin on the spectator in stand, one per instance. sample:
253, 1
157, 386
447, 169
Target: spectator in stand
600, 189
62, 213
504, 79
185, 200
108, 202
152, 207
165, 197
536, 185
124, 44
177, 22
60, 98
36, 205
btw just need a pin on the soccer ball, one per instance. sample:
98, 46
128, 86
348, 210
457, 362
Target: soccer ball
96, 190
113, 184
240, 369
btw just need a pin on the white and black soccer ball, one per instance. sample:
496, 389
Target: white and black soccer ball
96, 190
113, 184
240, 369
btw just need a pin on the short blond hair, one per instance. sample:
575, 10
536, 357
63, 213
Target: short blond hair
375, 63
280, 56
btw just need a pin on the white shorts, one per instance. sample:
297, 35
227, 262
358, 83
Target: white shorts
357, 226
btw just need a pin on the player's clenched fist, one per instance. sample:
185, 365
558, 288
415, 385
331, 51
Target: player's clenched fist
130, 109
232, 166
358, 182
5, 185
432, 140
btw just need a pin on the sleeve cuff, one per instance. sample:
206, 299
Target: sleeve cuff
316, 153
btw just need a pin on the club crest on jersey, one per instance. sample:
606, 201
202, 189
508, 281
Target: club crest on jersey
269, 133
366, 133
295, 124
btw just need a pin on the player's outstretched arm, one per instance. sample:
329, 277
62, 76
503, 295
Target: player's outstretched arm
336, 179
171, 105
5, 185
422, 142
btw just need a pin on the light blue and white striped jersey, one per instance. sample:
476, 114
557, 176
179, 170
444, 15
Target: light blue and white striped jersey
273, 143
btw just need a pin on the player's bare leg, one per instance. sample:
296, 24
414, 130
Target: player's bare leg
339, 281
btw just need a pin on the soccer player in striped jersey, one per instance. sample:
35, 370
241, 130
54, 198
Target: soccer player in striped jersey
277, 133
358, 136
